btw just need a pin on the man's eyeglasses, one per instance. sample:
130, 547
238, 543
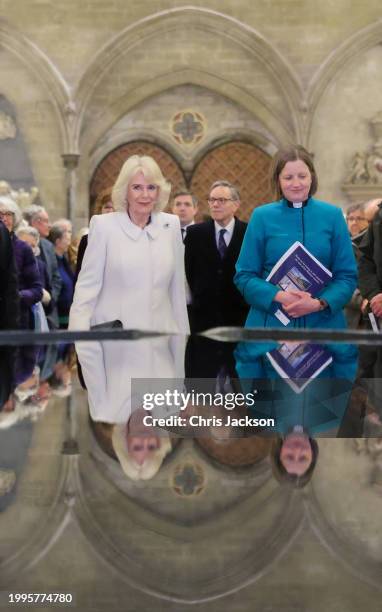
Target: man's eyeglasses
219, 200
5, 214
356, 219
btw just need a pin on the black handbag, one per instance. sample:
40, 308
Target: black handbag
116, 324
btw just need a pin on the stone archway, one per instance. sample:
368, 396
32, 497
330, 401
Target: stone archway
244, 165
108, 169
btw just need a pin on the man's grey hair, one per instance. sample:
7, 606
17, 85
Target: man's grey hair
63, 222
56, 233
32, 212
235, 195
360, 206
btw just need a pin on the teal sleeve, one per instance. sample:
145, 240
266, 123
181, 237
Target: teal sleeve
249, 280
343, 267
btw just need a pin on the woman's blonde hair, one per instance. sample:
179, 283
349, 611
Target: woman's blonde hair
151, 171
151, 466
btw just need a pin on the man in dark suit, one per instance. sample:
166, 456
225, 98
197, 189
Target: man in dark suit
38, 218
185, 206
9, 294
211, 252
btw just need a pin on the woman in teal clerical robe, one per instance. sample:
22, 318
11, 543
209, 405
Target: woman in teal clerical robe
274, 228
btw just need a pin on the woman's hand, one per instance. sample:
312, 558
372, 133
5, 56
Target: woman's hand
302, 306
376, 305
286, 298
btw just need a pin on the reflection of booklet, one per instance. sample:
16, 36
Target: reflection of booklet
298, 269
375, 322
299, 362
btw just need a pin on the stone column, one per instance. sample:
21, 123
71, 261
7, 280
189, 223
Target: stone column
71, 163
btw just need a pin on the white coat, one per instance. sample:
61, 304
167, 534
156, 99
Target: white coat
132, 274
118, 374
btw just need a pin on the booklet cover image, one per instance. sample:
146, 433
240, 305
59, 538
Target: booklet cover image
298, 269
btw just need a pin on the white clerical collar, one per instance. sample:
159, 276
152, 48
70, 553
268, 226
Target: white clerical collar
296, 204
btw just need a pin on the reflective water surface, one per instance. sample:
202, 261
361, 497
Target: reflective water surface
173, 473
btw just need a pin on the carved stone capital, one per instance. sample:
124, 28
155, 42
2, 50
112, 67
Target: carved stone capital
70, 160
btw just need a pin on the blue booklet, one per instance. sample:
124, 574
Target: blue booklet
299, 362
298, 269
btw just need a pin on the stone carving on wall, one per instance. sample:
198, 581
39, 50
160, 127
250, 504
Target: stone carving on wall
366, 167
22, 197
7, 126
188, 127
372, 448
364, 179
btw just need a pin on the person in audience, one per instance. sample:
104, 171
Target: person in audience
60, 238
31, 236
103, 206
370, 286
133, 268
28, 277
38, 218
9, 294
71, 254
64, 224
357, 224
185, 206
211, 251
274, 228
371, 208
370, 264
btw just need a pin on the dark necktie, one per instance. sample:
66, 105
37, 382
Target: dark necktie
222, 247
183, 230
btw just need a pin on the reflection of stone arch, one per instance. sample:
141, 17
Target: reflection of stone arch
252, 534
240, 163
107, 171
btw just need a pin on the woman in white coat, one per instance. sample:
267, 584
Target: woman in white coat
133, 269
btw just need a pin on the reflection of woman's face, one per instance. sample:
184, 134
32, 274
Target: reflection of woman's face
141, 195
141, 447
295, 181
296, 454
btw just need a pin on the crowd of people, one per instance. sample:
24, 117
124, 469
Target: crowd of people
39, 259
143, 268
154, 270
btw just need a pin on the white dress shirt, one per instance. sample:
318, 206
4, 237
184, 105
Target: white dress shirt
227, 236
